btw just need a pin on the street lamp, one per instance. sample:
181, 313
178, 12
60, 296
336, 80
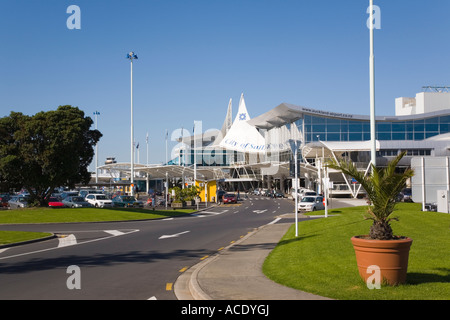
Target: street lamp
132, 56
96, 113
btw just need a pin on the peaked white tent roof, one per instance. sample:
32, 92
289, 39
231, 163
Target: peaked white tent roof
242, 136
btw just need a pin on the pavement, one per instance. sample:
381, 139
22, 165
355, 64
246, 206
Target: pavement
235, 273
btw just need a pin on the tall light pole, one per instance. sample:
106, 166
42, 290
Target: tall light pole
132, 56
372, 89
96, 113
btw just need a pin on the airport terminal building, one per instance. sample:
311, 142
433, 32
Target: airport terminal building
259, 152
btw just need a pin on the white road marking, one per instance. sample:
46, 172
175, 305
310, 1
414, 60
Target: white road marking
3, 250
54, 248
275, 221
215, 212
176, 235
115, 232
66, 241
260, 211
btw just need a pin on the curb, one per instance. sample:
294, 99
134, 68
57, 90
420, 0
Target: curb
187, 287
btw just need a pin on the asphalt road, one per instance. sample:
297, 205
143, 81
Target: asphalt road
125, 260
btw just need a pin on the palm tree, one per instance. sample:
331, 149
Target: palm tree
382, 186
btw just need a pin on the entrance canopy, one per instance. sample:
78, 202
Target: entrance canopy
163, 171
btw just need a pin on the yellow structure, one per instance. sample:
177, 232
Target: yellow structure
210, 187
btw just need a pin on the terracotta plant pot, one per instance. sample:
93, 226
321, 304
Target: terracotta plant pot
391, 256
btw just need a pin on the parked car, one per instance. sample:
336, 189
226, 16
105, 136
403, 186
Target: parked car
84, 193
311, 203
229, 198
220, 194
126, 202
278, 194
4, 198
99, 200
17, 202
55, 202
76, 202
307, 193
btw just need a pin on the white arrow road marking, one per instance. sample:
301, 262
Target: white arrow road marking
173, 235
260, 211
152, 298
3, 250
66, 241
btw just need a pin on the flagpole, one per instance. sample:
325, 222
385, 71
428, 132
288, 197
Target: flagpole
167, 133
131, 56
146, 141
372, 89
195, 155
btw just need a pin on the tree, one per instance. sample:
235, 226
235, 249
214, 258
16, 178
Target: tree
47, 150
382, 186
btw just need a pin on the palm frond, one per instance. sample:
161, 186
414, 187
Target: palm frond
382, 184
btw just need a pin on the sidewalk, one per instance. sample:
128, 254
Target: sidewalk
235, 273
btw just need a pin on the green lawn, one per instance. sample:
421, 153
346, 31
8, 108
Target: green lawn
68, 215
8, 237
322, 260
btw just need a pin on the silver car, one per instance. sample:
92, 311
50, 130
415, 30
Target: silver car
76, 202
17, 202
311, 203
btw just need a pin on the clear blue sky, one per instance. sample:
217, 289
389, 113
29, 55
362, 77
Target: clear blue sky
194, 55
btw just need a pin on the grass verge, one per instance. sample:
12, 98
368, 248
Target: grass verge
322, 260
9, 237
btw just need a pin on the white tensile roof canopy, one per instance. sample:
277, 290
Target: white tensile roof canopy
242, 136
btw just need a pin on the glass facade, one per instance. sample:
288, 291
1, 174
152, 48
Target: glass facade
332, 129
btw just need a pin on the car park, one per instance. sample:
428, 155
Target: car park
17, 202
127, 202
311, 203
99, 200
76, 202
229, 198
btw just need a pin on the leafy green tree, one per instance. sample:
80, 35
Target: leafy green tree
382, 186
47, 150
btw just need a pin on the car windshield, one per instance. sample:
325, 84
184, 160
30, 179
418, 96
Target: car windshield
128, 198
101, 197
229, 195
308, 199
52, 199
77, 199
